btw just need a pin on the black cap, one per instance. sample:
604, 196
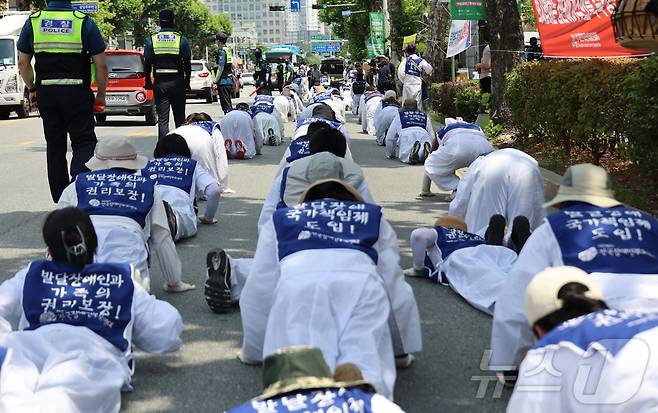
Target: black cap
166, 15
221, 36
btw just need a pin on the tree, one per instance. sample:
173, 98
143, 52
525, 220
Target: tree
506, 43
437, 23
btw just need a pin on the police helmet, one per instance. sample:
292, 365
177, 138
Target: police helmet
222, 37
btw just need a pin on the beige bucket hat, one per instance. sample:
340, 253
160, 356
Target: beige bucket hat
349, 188
541, 296
585, 183
116, 152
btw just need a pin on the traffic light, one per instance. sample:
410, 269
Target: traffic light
319, 6
277, 8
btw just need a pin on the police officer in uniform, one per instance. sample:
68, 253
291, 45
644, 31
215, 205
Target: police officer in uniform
62, 41
224, 79
168, 53
262, 70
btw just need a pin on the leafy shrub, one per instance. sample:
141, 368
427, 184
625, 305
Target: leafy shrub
467, 104
444, 98
596, 107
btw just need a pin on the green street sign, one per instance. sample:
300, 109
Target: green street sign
377, 26
468, 10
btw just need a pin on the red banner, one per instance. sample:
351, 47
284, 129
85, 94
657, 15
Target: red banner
578, 28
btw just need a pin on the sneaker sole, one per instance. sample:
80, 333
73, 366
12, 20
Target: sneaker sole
427, 149
271, 139
171, 219
413, 158
217, 289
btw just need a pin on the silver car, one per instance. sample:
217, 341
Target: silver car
201, 82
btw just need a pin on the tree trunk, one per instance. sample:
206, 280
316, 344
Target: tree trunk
506, 43
436, 38
395, 13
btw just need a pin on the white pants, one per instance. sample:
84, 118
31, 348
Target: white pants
61, 369
442, 163
413, 92
343, 315
119, 244
240, 268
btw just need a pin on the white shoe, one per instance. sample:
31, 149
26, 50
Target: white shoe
415, 272
402, 362
247, 361
179, 287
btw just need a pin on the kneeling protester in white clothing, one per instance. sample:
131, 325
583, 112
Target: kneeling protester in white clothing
411, 135
268, 130
127, 211
588, 358
326, 274
74, 325
460, 144
473, 266
206, 144
372, 101
385, 115
297, 379
240, 133
180, 179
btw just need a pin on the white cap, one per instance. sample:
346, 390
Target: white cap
586, 183
390, 94
541, 296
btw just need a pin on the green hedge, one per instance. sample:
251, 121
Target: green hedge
452, 99
600, 108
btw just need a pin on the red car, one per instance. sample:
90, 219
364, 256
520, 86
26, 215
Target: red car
126, 95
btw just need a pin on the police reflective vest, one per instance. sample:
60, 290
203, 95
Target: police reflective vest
166, 48
228, 66
60, 58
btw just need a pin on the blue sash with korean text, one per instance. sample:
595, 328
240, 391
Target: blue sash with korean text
299, 148
206, 125
608, 329
98, 296
115, 192
413, 119
316, 401
386, 104
175, 171
282, 188
608, 240
256, 109
412, 67
328, 223
441, 133
308, 121
322, 97
264, 99
372, 96
449, 240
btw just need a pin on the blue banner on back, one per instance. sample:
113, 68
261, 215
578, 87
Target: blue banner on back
413, 118
412, 67
256, 109
299, 148
608, 240
610, 329
470, 126
308, 121
208, 126
173, 171
98, 296
312, 401
327, 224
264, 99
115, 192
449, 240
321, 97
372, 96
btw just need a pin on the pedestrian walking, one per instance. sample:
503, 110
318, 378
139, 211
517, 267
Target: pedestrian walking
262, 71
168, 53
60, 87
224, 78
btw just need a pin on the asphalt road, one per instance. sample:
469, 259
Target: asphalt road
205, 376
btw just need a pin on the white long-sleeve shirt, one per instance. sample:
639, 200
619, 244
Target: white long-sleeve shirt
404, 136
121, 239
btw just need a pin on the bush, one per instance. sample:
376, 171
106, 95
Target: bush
596, 107
444, 98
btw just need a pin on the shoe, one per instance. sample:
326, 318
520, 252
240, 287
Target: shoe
416, 272
228, 144
425, 195
240, 150
413, 157
427, 148
203, 220
246, 361
171, 219
271, 137
496, 230
507, 378
217, 288
520, 232
178, 287
404, 361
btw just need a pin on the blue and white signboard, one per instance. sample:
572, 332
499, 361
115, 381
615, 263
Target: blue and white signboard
325, 47
295, 5
86, 8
